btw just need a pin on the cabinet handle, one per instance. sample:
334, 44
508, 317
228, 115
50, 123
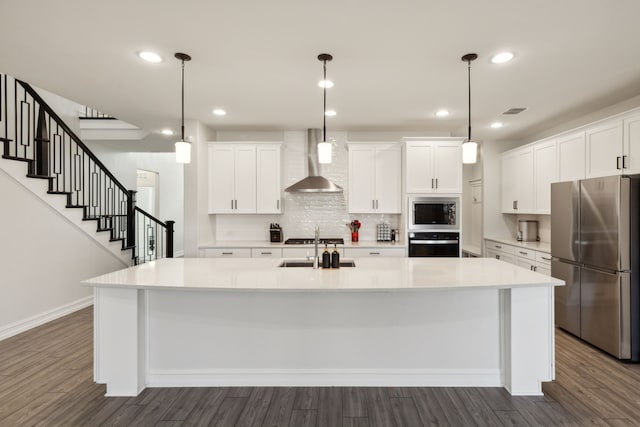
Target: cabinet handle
535, 268
618, 162
236, 204
497, 256
432, 183
231, 204
266, 253
278, 204
373, 204
531, 267
436, 182
515, 205
498, 247
377, 203
524, 253
545, 258
624, 162
227, 253
374, 253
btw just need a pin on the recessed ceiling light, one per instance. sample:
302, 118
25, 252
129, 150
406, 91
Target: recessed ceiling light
330, 113
325, 83
219, 112
496, 125
502, 57
442, 113
167, 132
149, 56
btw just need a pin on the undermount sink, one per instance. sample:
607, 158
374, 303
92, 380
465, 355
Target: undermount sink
305, 263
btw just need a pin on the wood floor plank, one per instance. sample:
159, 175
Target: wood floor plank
330, 406
429, 410
511, 418
405, 412
206, 408
355, 422
354, 402
303, 418
306, 398
279, 412
379, 407
123, 417
621, 422
454, 407
155, 405
574, 405
481, 413
229, 411
257, 406
186, 401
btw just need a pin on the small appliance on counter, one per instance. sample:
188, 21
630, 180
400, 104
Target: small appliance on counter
275, 233
527, 231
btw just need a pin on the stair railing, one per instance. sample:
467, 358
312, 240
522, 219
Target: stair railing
33, 132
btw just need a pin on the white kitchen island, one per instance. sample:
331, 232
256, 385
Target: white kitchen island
386, 322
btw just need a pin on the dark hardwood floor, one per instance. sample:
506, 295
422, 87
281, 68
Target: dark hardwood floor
46, 380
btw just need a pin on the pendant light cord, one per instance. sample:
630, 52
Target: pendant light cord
324, 105
469, 81
182, 100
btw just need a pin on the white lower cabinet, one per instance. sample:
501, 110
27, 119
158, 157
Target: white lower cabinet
374, 252
227, 253
266, 252
526, 258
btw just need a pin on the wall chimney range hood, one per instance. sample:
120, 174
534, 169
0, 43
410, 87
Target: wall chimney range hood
313, 183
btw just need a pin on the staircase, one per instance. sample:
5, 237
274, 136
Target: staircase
32, 134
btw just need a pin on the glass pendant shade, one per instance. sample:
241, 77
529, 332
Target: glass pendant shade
469, 152
324, 152
183, 152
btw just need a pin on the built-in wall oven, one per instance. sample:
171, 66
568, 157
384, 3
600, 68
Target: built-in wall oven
434, 228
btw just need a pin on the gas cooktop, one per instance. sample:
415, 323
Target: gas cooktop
327, 241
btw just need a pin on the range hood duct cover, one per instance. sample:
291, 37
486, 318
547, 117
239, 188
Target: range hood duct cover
313, 183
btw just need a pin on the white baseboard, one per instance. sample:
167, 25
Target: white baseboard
325, 377
39, 319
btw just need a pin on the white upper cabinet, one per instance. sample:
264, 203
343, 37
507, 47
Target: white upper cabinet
269, 182
375, 184
631, 156
237, 172
527, 174
604, 145
545, 172
433, 165
571, 156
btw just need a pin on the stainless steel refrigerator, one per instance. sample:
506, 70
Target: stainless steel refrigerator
595, 248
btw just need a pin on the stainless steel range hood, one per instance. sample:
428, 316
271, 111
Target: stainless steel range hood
313, 183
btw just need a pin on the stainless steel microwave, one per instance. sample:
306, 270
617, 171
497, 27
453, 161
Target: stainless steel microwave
434, 213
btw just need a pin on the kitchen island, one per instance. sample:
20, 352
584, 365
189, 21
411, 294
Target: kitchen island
384, 322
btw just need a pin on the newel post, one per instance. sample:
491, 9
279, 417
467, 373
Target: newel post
169, 253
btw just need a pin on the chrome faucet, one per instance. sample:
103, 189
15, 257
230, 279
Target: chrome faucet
316, 242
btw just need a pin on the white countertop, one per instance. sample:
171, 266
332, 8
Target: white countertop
538, 246
264, 244
370, 274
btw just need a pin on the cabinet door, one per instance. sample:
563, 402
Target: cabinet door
388, 184
221, 179
525, 182
631, 144
543, 269
448, 167
571, 157
544, 160
509, 167
362, 179
604, 149
525, 263
245, 179
268, 185
419, 167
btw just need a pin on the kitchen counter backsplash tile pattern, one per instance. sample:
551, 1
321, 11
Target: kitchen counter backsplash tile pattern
301, 212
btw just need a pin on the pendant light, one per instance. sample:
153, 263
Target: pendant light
183, 147
324, 147
469, 148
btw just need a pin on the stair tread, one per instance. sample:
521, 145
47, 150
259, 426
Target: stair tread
30, 175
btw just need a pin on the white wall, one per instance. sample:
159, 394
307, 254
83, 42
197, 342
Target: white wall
43, 258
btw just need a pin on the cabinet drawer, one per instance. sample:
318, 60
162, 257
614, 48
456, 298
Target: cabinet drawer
227, 252
373, 252
543, 258
266, 253
525, 253
497, 246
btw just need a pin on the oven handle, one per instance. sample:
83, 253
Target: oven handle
432, 242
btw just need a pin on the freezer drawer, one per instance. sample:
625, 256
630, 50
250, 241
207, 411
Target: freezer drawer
605, 311
567, 297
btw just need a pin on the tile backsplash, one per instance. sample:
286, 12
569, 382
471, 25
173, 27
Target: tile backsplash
301, 212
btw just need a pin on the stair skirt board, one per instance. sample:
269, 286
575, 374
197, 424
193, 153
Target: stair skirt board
20, 326
117, 252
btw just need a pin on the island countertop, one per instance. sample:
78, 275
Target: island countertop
377, 274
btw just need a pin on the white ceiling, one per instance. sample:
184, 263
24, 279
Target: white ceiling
395, 62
